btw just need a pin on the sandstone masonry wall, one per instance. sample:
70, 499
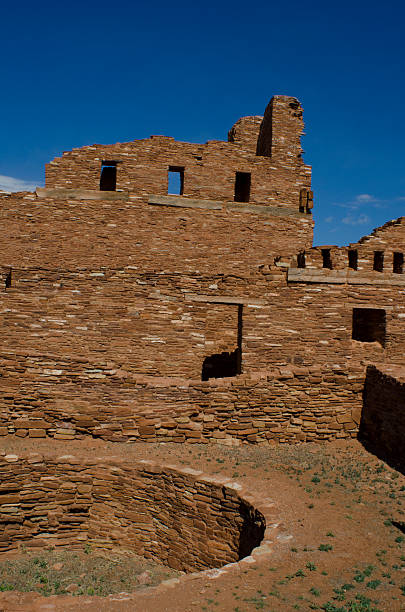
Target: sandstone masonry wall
64, 233
286, 405
114, 301
209, 170
185, 521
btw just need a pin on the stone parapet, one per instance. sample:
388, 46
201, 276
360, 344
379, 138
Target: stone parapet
285, 405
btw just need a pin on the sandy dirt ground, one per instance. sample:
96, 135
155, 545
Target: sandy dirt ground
341, 550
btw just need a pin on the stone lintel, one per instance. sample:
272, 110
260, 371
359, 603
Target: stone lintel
80, 194
181, 202
257, 209
223, 299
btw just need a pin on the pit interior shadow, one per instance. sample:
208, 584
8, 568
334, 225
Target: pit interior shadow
252, 530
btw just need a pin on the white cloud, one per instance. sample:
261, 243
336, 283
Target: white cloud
353, 220
10, 184
365, 197
329, 219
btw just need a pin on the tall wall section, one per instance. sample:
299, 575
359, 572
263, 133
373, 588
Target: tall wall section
116, 303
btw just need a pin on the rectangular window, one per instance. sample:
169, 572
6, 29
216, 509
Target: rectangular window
108, 176
301, 259
326, 259
175, 184
398, 263
378, 261
242, 187
353, 258
368, 325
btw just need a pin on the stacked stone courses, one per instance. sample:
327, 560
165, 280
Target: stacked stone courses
116, 300
155, 511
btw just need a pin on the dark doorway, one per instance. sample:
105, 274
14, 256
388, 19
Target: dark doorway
353, 259
369, 325
398, 263
226, 364
326, 259
301, 259
108, 176
242, 187
378, 264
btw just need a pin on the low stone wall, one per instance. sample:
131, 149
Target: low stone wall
382, 427
286, 405
177, 516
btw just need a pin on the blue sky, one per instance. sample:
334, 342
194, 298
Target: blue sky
85, 72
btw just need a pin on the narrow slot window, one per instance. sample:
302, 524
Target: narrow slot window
108, 176
398, 263
326, 259
7, 281
378, 265
301, 259
242, 187
368, 325
175, 185
353, 259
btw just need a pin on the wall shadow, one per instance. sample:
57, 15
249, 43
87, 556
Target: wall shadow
221, 365
252, 529
382, 424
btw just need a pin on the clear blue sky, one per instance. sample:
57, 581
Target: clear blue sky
83, 72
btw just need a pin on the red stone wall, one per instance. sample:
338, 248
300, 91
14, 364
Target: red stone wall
65, 234
209, 169
285, 405
167, 324
101, 288
151, 510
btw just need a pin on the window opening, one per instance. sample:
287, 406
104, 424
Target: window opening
306, 200
175, 180
242, 187
226, 364
378, 261
108, 176
301, 259
368, 325
353, 258
398, 263
8, 279
326, 259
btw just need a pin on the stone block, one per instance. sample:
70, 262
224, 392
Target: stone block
37, 433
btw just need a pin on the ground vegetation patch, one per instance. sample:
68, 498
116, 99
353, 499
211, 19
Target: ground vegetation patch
80, 572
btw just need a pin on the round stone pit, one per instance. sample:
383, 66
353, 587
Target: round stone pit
178, 516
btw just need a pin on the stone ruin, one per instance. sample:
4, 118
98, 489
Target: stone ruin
157, 290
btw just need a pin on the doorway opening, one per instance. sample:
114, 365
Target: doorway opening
242, 187
225, 364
